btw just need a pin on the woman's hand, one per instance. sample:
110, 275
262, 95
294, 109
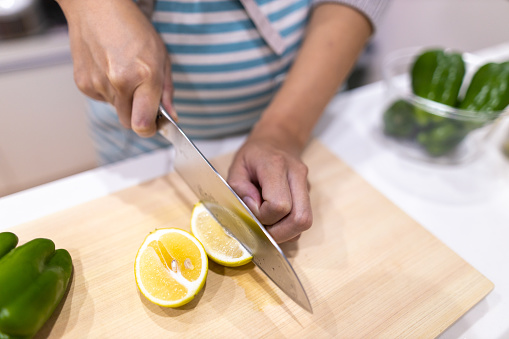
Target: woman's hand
267, 172
119, 58
270, 178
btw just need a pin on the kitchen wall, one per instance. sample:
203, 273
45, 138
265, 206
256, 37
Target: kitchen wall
465, 25
43, 130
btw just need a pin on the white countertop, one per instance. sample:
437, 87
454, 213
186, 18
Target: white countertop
466, 207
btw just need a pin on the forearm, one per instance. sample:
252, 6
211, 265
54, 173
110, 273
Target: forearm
335, 37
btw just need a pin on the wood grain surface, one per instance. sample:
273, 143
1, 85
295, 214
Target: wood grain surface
369, 269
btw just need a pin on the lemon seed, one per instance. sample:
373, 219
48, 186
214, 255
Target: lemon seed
188, 264
174, 266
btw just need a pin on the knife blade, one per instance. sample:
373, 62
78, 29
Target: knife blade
230, 211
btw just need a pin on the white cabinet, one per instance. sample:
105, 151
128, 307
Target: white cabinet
43, 126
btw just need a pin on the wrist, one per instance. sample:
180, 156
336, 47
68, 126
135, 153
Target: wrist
281, 133
289, 120
72, 8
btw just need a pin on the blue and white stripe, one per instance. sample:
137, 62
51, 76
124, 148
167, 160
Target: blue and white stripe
224, 72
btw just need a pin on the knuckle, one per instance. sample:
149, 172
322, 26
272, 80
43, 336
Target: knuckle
300, 168
119, 77
303, 169
303, 220
83, 82
127, 77
282, 207
147, 69
97, 83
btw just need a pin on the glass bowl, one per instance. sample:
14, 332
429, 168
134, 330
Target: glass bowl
450, 135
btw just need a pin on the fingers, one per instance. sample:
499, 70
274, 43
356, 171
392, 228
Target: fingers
276, 195
136, 106
134, 95
300, 217
126, 66
276, 189
242, 183
87, 75
98, 85
146, 100
123, 106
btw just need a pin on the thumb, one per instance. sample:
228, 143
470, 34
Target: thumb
145, 107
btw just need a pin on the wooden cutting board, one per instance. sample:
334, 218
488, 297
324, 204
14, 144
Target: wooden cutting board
369, 269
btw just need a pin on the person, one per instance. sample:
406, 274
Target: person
269, 67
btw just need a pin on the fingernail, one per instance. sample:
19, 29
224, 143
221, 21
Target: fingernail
251, 204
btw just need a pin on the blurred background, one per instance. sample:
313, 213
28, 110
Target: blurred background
44, 131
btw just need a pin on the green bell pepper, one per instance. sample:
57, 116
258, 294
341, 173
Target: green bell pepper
442, 139
33, 280
437, 76
8, 241
399, 120
488, 91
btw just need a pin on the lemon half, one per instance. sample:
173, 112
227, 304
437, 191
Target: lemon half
170, 267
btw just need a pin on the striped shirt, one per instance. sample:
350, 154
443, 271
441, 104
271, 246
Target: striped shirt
229, 58
224, 72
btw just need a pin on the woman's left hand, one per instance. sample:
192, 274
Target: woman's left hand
269, 176
267, 172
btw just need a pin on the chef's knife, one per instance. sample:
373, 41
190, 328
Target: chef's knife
230, 211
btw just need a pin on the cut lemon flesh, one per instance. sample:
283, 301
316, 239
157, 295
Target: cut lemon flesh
219, 245
170, 267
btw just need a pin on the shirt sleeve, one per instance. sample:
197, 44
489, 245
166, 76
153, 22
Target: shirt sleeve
372, 9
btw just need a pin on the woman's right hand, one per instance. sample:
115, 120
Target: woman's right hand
120, 58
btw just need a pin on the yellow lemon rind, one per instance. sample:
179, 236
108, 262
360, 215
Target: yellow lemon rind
235, 263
